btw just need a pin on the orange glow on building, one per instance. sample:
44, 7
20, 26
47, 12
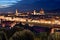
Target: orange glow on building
41, 11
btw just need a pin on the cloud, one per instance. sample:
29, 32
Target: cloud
7, 3
4, 6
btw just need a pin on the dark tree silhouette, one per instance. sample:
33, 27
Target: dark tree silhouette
23, 35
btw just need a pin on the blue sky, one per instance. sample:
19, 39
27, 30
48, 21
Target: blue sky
28, 5
7, 3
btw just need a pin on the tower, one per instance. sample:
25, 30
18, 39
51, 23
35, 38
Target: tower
16, 12
34, 12
41, 11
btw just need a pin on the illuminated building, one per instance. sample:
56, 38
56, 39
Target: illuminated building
28, 13
42, 11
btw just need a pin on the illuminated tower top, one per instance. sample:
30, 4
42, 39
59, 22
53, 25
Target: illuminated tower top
16, 12
34, 12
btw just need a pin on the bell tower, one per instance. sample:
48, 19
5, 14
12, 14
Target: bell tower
34, 12
16, 12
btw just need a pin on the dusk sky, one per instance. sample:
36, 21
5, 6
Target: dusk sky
7, 3
26, 5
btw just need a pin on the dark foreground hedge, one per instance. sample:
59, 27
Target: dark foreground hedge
23, 35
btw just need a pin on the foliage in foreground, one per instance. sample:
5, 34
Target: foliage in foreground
23, 35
